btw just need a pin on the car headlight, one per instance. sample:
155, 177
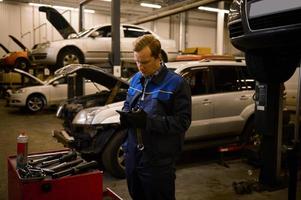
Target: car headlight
235, 11
85, 117
19, 91
43, 45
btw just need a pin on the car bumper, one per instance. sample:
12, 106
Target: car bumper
16, 100
42, 57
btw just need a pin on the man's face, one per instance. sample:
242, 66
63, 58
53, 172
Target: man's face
146, 63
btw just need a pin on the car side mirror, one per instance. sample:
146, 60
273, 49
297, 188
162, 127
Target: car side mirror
55, 83
94, 34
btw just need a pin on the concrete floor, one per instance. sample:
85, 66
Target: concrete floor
199, 176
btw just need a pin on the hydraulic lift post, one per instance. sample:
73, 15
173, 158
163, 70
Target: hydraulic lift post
268, 123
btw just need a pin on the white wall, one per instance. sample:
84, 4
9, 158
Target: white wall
31, 26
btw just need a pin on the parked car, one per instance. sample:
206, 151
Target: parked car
222, 113
53, 91
91, 46
15, 59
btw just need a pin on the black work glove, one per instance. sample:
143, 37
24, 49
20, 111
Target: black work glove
134, 119
137, 119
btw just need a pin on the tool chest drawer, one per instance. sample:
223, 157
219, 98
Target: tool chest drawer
87, 185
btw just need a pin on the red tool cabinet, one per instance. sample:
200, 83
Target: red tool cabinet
87, 186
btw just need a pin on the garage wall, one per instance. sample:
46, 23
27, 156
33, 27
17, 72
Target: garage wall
31, 26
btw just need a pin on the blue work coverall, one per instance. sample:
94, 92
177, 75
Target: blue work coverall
166, 99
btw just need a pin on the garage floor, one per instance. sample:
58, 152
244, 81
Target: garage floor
199, 175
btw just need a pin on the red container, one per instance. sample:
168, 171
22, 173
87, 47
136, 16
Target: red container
77, 187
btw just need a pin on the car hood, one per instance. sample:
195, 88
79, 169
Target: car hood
4, 48
58, 21
29, 75
20, 44
93, 73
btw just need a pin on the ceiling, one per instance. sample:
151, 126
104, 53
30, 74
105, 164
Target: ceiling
104, 5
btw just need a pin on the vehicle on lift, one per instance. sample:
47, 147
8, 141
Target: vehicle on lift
269, 33
222, 113
91, 46
15, 59
53, 91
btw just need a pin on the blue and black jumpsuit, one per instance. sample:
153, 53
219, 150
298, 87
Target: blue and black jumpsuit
166, 99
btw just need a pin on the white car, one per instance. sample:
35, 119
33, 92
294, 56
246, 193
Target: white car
222, 113
91, 46
46, 93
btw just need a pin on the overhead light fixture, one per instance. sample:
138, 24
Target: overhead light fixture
61, 7
150, 5
210, 9
1, 0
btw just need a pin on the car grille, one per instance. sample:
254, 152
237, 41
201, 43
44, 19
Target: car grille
236, 29
38, 56
276, 20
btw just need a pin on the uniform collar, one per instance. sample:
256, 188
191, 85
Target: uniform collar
158, 76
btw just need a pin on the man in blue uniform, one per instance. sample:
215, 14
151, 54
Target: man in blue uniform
157, 113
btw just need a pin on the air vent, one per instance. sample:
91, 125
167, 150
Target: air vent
236, 29
276, 20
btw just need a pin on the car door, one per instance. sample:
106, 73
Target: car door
199, 82
233, 93
131, 33
98, 45
58, 91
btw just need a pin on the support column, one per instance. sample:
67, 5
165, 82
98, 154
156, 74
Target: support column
115, 18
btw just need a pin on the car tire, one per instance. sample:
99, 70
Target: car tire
22, 64
35, 103
113, 158
251, 141
69, 56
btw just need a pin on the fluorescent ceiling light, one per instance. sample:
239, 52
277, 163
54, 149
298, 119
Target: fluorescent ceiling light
210, 9
61, 7
150, 5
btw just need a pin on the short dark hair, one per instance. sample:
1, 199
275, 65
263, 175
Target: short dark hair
148, 40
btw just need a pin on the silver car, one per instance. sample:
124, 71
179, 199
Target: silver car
222, 113
91, 46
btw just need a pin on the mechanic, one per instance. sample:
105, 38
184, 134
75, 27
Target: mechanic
157, 113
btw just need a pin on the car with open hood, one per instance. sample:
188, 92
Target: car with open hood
222, 113
92, 45
55, 90
15, 59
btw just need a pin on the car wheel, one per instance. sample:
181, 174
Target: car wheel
69, 56
251, 141
22, 64
113, 158
35, 103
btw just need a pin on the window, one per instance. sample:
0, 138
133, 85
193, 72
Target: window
104, 31
133, 32
225, 79
198, 80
